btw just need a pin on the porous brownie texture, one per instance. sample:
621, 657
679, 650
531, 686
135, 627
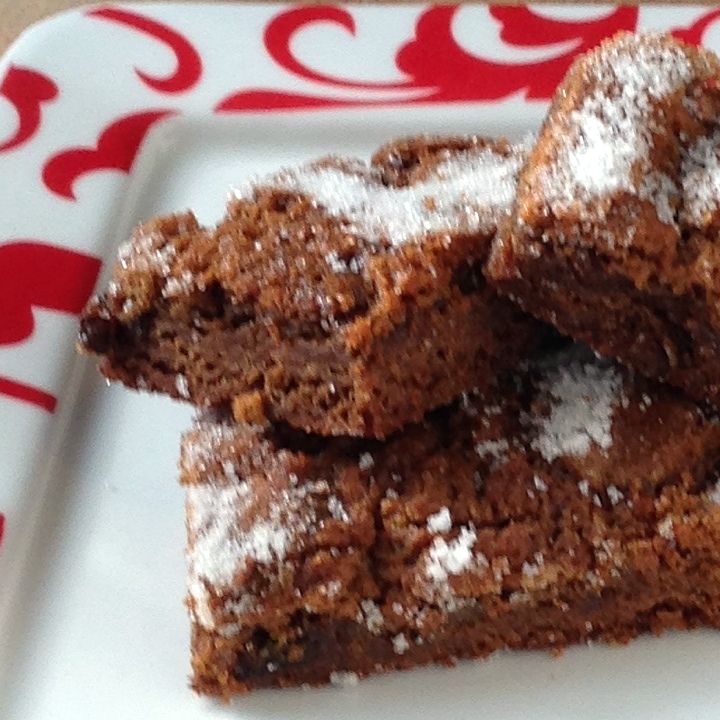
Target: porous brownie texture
616, 215
577, 503
339, 297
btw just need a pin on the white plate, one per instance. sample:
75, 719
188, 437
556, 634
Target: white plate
108, 117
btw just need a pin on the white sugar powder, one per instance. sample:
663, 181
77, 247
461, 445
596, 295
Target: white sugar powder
583, 397
205, 446
337, 509
343, 679
450, 558
230, 475
221, 549
340, 266
332, 588
469, 191
701, 180
371, 615
400, 644
148, 252
532, 569
609, 136
713, 494
666, 529
366, 461
614, 494
496, 450
181, 285
439, 522
181, 385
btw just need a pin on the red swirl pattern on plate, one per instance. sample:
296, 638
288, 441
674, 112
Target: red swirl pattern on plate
462, 76
36, 274
436, 65
116, 148
189, 64
27, 394
280, 33
27, 90
695, 33
269, 100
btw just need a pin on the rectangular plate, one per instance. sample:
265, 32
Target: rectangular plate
114, 114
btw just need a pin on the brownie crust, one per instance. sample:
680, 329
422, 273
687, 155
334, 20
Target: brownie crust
339, 311
471, 635
579, 503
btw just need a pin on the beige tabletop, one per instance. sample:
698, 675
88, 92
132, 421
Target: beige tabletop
16, 15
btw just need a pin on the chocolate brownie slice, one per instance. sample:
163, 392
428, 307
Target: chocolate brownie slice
578, 503
613, 236
338, 297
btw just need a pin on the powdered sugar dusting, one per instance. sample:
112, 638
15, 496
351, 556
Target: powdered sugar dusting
145, 252
219, 547
227, 533
713, 494
666, 529
583, 397
701, 180
337, 509
439, 522
468, 191
371, 616
181, 385
495, 450
200, 452
182, 284
212, 513
343, 679
615, 495
531, 569
366, 461
450, 558
610, 135
400, 644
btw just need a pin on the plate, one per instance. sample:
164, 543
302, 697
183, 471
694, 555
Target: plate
112, 114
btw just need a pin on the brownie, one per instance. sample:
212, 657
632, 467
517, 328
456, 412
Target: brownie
576, 503
614, 228
339, 297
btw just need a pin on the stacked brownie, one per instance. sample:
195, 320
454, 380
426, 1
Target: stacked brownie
392, 464
615, 224
337, 297
575, 502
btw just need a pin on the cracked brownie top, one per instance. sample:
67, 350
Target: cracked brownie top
327, 240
